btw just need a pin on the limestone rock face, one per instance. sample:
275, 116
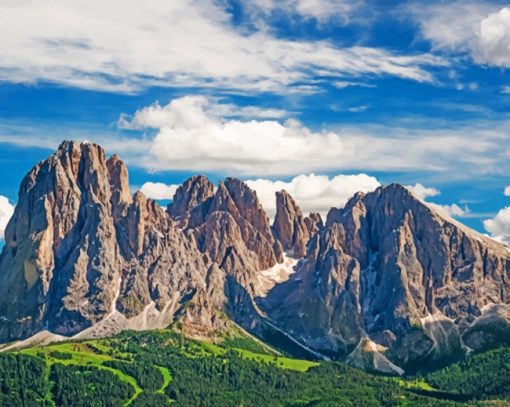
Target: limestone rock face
289, 225
386, 283
388, 266
231, 229
79, 248
314, 223
192, 193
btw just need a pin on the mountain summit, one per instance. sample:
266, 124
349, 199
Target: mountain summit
387, 283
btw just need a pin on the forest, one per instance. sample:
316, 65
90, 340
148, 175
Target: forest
162, 368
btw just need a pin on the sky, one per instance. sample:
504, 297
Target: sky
322, 98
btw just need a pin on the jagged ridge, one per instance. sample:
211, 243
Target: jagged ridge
386, 275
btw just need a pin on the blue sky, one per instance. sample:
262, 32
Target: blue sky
361, 93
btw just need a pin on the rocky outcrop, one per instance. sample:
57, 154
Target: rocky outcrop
231, 229
313, 223
191, 194
390, 268
79, 248
289, 225
386, 283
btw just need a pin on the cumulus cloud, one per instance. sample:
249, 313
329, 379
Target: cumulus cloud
158, 190
124, 46
313, 193
192, 111
481, 29
194, 133
6, 212
499, 226
317, 193
423, 192
453, 210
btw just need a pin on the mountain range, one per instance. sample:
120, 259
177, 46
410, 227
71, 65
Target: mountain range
385, 283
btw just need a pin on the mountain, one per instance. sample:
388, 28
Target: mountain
386, 283
389, 274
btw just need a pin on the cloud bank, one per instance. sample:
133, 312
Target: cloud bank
194, 133
124, 46
6, 212
158, 190
481, 29
313, 193
499, 226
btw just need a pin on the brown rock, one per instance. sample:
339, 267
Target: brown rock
289, 226
78, 245
385, 265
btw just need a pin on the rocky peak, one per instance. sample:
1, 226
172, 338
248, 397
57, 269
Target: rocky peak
79, 248
389, 266
314, 223
192, 193
119, 185
289, 225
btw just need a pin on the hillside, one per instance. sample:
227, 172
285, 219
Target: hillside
156, 368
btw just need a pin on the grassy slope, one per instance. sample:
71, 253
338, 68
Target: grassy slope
167, 378
95, 352
82, 355
282, 362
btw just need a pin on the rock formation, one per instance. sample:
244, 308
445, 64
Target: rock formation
389, 268
289, 225
79, 248
230, 227
387, 283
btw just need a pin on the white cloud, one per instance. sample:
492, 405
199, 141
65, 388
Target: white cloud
452, 211
481, 29
347, 84
495, 37
313, 193
192, 111
6, 212
124, 46
192, 135
499, 226
423, 192
158, 190
505, 90
357, 109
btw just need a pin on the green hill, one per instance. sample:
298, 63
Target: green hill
162, 368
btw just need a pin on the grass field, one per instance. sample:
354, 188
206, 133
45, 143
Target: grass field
167, 378
82, 354
94, 353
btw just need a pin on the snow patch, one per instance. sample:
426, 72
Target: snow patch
277, 274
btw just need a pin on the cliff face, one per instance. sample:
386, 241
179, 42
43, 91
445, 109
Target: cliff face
389, 269
79, 248
386, 282
291, 228
230, 227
